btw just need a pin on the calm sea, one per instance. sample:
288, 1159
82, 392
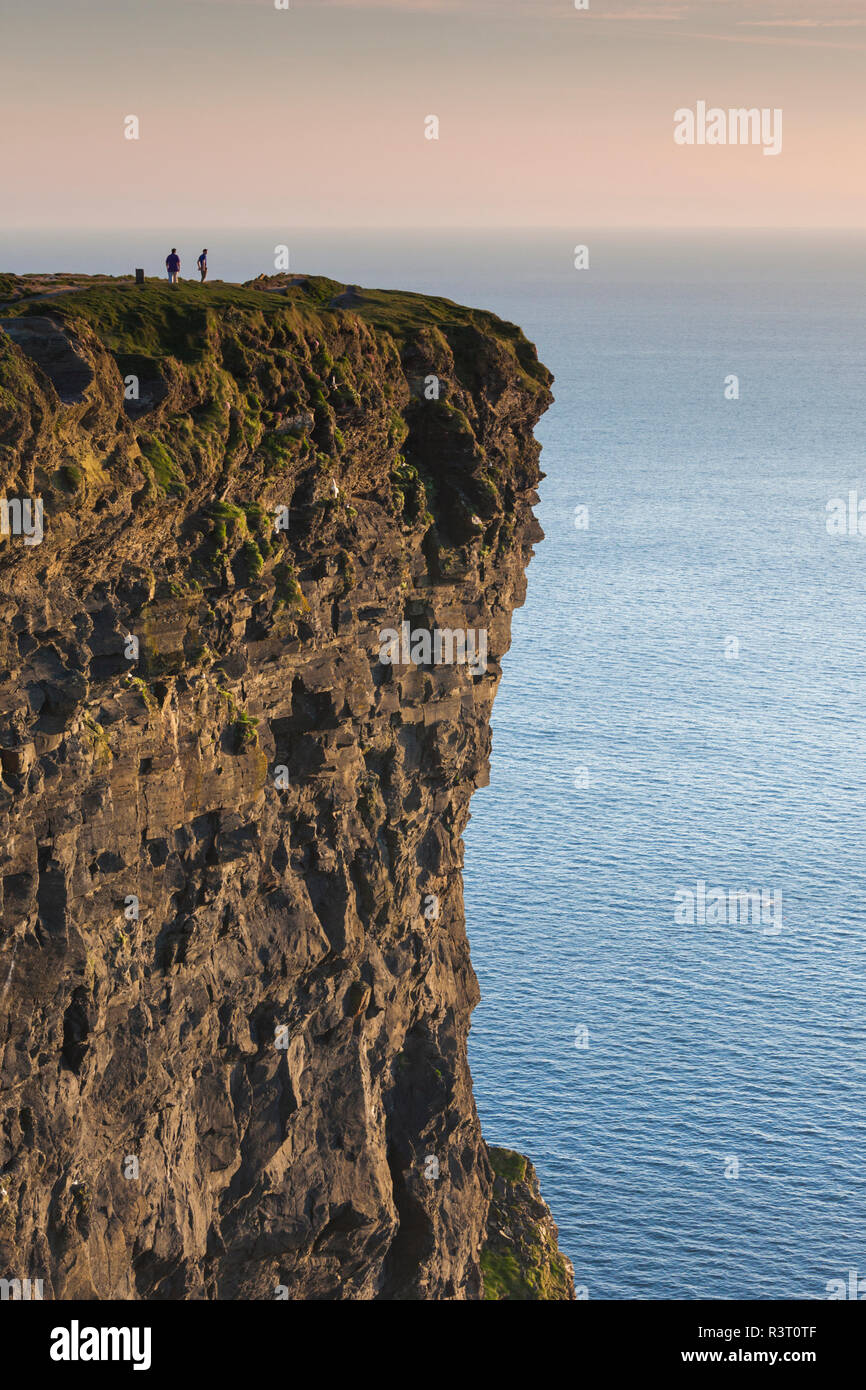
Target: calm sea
684, 702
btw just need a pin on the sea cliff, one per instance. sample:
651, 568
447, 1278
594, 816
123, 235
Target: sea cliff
235, 984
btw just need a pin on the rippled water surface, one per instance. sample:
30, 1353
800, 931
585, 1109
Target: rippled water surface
707, 520
706, 1044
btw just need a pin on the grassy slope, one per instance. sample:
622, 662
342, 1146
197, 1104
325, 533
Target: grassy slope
156, 319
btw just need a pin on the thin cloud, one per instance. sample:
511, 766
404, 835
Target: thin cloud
409, 6
644, 16
778, 39
793, 22
802, 23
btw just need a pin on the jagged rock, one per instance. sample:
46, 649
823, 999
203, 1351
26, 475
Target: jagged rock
44, 342
235, 985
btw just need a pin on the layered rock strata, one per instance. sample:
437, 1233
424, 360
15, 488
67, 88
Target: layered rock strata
235, 984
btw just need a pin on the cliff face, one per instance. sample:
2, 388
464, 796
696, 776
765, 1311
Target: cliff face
235, 986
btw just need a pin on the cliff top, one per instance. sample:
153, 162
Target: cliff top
355, 409
162, 320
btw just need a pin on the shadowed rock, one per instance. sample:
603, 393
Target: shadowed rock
53, 351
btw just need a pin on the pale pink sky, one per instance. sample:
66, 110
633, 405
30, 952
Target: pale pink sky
252, 116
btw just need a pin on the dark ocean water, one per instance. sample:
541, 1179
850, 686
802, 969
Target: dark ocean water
708, 1050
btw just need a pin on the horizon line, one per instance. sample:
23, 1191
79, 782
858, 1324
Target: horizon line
573, 227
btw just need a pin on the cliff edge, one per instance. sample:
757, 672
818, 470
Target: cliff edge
260, 550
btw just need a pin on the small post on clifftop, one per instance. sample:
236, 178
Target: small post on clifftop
139, 277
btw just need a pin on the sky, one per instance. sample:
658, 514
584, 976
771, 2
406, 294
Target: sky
315, 115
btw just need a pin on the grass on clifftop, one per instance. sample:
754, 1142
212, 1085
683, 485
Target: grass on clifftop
269, 384
153, 319
158, 320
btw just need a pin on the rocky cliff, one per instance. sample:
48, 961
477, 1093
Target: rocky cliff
235, 985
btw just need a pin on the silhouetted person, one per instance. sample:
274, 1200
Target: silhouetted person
202, 265
172, 265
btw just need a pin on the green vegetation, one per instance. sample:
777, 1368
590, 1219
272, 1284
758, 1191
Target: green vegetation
281, 447
503, 1277
410, 496
164, 468
136, 683
543, 1278
253, 559
507, 1164
101, 747
245, 731
257, 389
155, 321
232, 517
521, 1261
348, 574
289, 593
152, 320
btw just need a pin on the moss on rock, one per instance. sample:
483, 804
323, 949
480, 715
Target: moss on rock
521, 1259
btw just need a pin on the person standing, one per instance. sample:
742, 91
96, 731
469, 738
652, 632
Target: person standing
202, 265
172, 265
